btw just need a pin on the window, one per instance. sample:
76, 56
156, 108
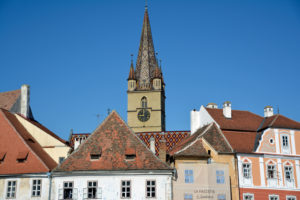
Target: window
290, 198
248, 197
221, 197
11, 189
188, 196
285, 141
36, 187
151, 189
68, 190
288, 173
61, 159
273, 197
92, 189
144, 102
246, 170
220, 176
188, 176
125, 189
271, 171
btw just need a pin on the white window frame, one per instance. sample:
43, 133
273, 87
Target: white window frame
272, 196
291, 196
291, 173
11, 194
125, 186
248, 194
287, 145
68, 187
249, 170
151, 191
274, 173
34, 188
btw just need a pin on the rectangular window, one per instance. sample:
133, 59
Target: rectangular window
291, 198
188, 176
151, 189
188, 196
221, 197
248, 197
246, 170
125, 189
285, 141
11, 189
92, 189
288, 173
220, 176
271, 171
36, 187
68, 190
273, 197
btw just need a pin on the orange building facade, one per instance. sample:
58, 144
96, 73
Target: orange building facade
272, 171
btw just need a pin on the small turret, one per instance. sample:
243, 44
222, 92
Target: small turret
157, 79
131, 78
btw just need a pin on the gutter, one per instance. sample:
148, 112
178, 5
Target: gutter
50, 184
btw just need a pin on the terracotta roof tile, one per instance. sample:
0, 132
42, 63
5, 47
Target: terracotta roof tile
195, 149
114, 137
279, 121
14, 139
242, 142
241, 120
8, 99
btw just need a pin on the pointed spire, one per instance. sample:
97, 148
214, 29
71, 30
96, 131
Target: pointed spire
131, 72
146, 60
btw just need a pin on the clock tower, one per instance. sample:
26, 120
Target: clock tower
146, 88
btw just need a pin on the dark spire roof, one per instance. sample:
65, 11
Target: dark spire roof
146, 61
131, 72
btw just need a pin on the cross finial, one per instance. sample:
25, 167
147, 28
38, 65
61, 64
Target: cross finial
131, 58
146, 4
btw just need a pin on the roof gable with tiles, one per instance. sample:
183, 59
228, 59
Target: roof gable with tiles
21, 153
113, 140
9, 99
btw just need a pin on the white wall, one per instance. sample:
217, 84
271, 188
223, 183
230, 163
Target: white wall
111, 185
199, 119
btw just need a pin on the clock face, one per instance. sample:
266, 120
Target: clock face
143, 115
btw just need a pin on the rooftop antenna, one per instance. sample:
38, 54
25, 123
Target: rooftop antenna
277, 109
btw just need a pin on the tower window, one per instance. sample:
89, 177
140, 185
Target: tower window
144, 102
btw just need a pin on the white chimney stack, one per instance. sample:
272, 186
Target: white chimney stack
211, 105
268, 111
227, 109
152, 144
25, 97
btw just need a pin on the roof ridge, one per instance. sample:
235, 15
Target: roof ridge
273, 121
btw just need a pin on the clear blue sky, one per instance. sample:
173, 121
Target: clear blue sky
75, 55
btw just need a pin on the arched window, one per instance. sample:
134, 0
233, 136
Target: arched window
144, 102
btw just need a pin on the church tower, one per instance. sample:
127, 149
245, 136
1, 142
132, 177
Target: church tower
146, 88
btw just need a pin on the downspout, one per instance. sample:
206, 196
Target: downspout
50, 184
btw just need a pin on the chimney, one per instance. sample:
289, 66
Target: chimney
195, 120
25, 97
211, 105
152, 144
268, 111
227, 109
163, 150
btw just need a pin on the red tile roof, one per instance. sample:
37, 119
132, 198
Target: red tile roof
114, 137
240, 141
240, 120
211, 133
194, 149
279, 121
8, 99
14, 139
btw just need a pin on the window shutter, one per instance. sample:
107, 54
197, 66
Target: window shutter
85, 193
75, 194
168, 191
99, 193
60, 194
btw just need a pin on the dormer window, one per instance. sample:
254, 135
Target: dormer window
22, 156
2, 156
130, 154
95, 153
